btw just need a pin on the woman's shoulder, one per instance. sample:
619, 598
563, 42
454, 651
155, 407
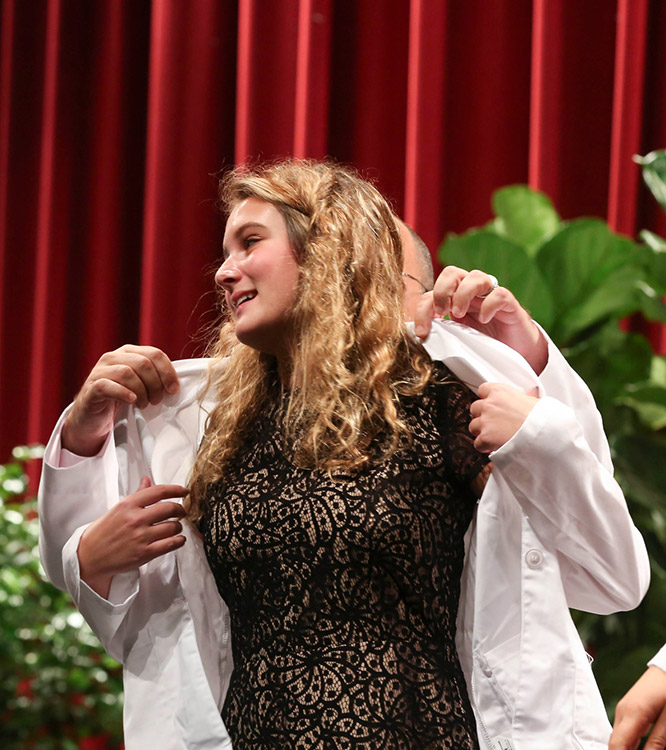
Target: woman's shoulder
447, 399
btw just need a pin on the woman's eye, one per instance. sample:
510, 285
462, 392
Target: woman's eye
249, 241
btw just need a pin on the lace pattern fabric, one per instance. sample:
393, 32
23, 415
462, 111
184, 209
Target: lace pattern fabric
344, 591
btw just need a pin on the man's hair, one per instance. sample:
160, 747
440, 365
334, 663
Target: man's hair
424, 259
351, 357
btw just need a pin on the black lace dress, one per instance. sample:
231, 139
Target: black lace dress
344, 592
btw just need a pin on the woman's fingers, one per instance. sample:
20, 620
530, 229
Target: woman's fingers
151, 494
446, 287
139, 528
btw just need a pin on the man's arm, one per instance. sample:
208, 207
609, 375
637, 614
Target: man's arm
559, 470
642, 708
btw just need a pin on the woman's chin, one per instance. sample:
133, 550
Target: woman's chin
261, 341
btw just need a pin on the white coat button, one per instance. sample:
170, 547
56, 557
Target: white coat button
487, 671
534, 558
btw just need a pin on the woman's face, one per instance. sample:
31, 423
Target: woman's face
259, 275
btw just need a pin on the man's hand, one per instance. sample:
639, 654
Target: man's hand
130, 375
498, 414
644, 706
468, 297
136, 530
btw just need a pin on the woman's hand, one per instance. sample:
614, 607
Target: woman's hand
468, 297
644, 706
130, 375
136, 530
498, 415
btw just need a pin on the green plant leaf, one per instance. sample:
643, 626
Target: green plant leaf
654, 241
649, 401
610, 359
592, 274
654, 252
524, 216
658, 370
654, 173
651, 302
617, 296
510, 263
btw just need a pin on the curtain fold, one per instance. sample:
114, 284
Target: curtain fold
627, 120
190, 135
424, 147
53, 230
116, 117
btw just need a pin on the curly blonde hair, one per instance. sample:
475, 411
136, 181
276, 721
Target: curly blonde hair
351, 359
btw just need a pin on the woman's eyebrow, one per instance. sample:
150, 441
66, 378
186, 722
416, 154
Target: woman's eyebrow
248, 225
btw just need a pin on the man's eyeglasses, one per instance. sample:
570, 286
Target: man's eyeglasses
422, 285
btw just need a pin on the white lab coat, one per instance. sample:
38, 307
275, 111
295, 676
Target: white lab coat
551, 531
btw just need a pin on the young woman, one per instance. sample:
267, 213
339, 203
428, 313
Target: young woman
334, 482
335, 479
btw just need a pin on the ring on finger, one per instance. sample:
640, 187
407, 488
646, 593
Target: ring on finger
493, 285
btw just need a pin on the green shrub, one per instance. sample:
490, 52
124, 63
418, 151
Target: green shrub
58, 689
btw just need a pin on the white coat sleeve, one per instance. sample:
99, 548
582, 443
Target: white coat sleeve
567, 515
71, 495
576, 508
562, 382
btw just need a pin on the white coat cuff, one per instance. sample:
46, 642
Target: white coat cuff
123, 591
58, 457
531, 432
659, 659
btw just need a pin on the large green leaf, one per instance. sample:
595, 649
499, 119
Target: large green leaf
651, 302
654, 251
615, 297
654, 173
505, 260
592, 273
524, 216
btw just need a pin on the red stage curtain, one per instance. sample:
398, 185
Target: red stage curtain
115, 117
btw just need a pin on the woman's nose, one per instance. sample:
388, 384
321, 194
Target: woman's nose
227, 274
